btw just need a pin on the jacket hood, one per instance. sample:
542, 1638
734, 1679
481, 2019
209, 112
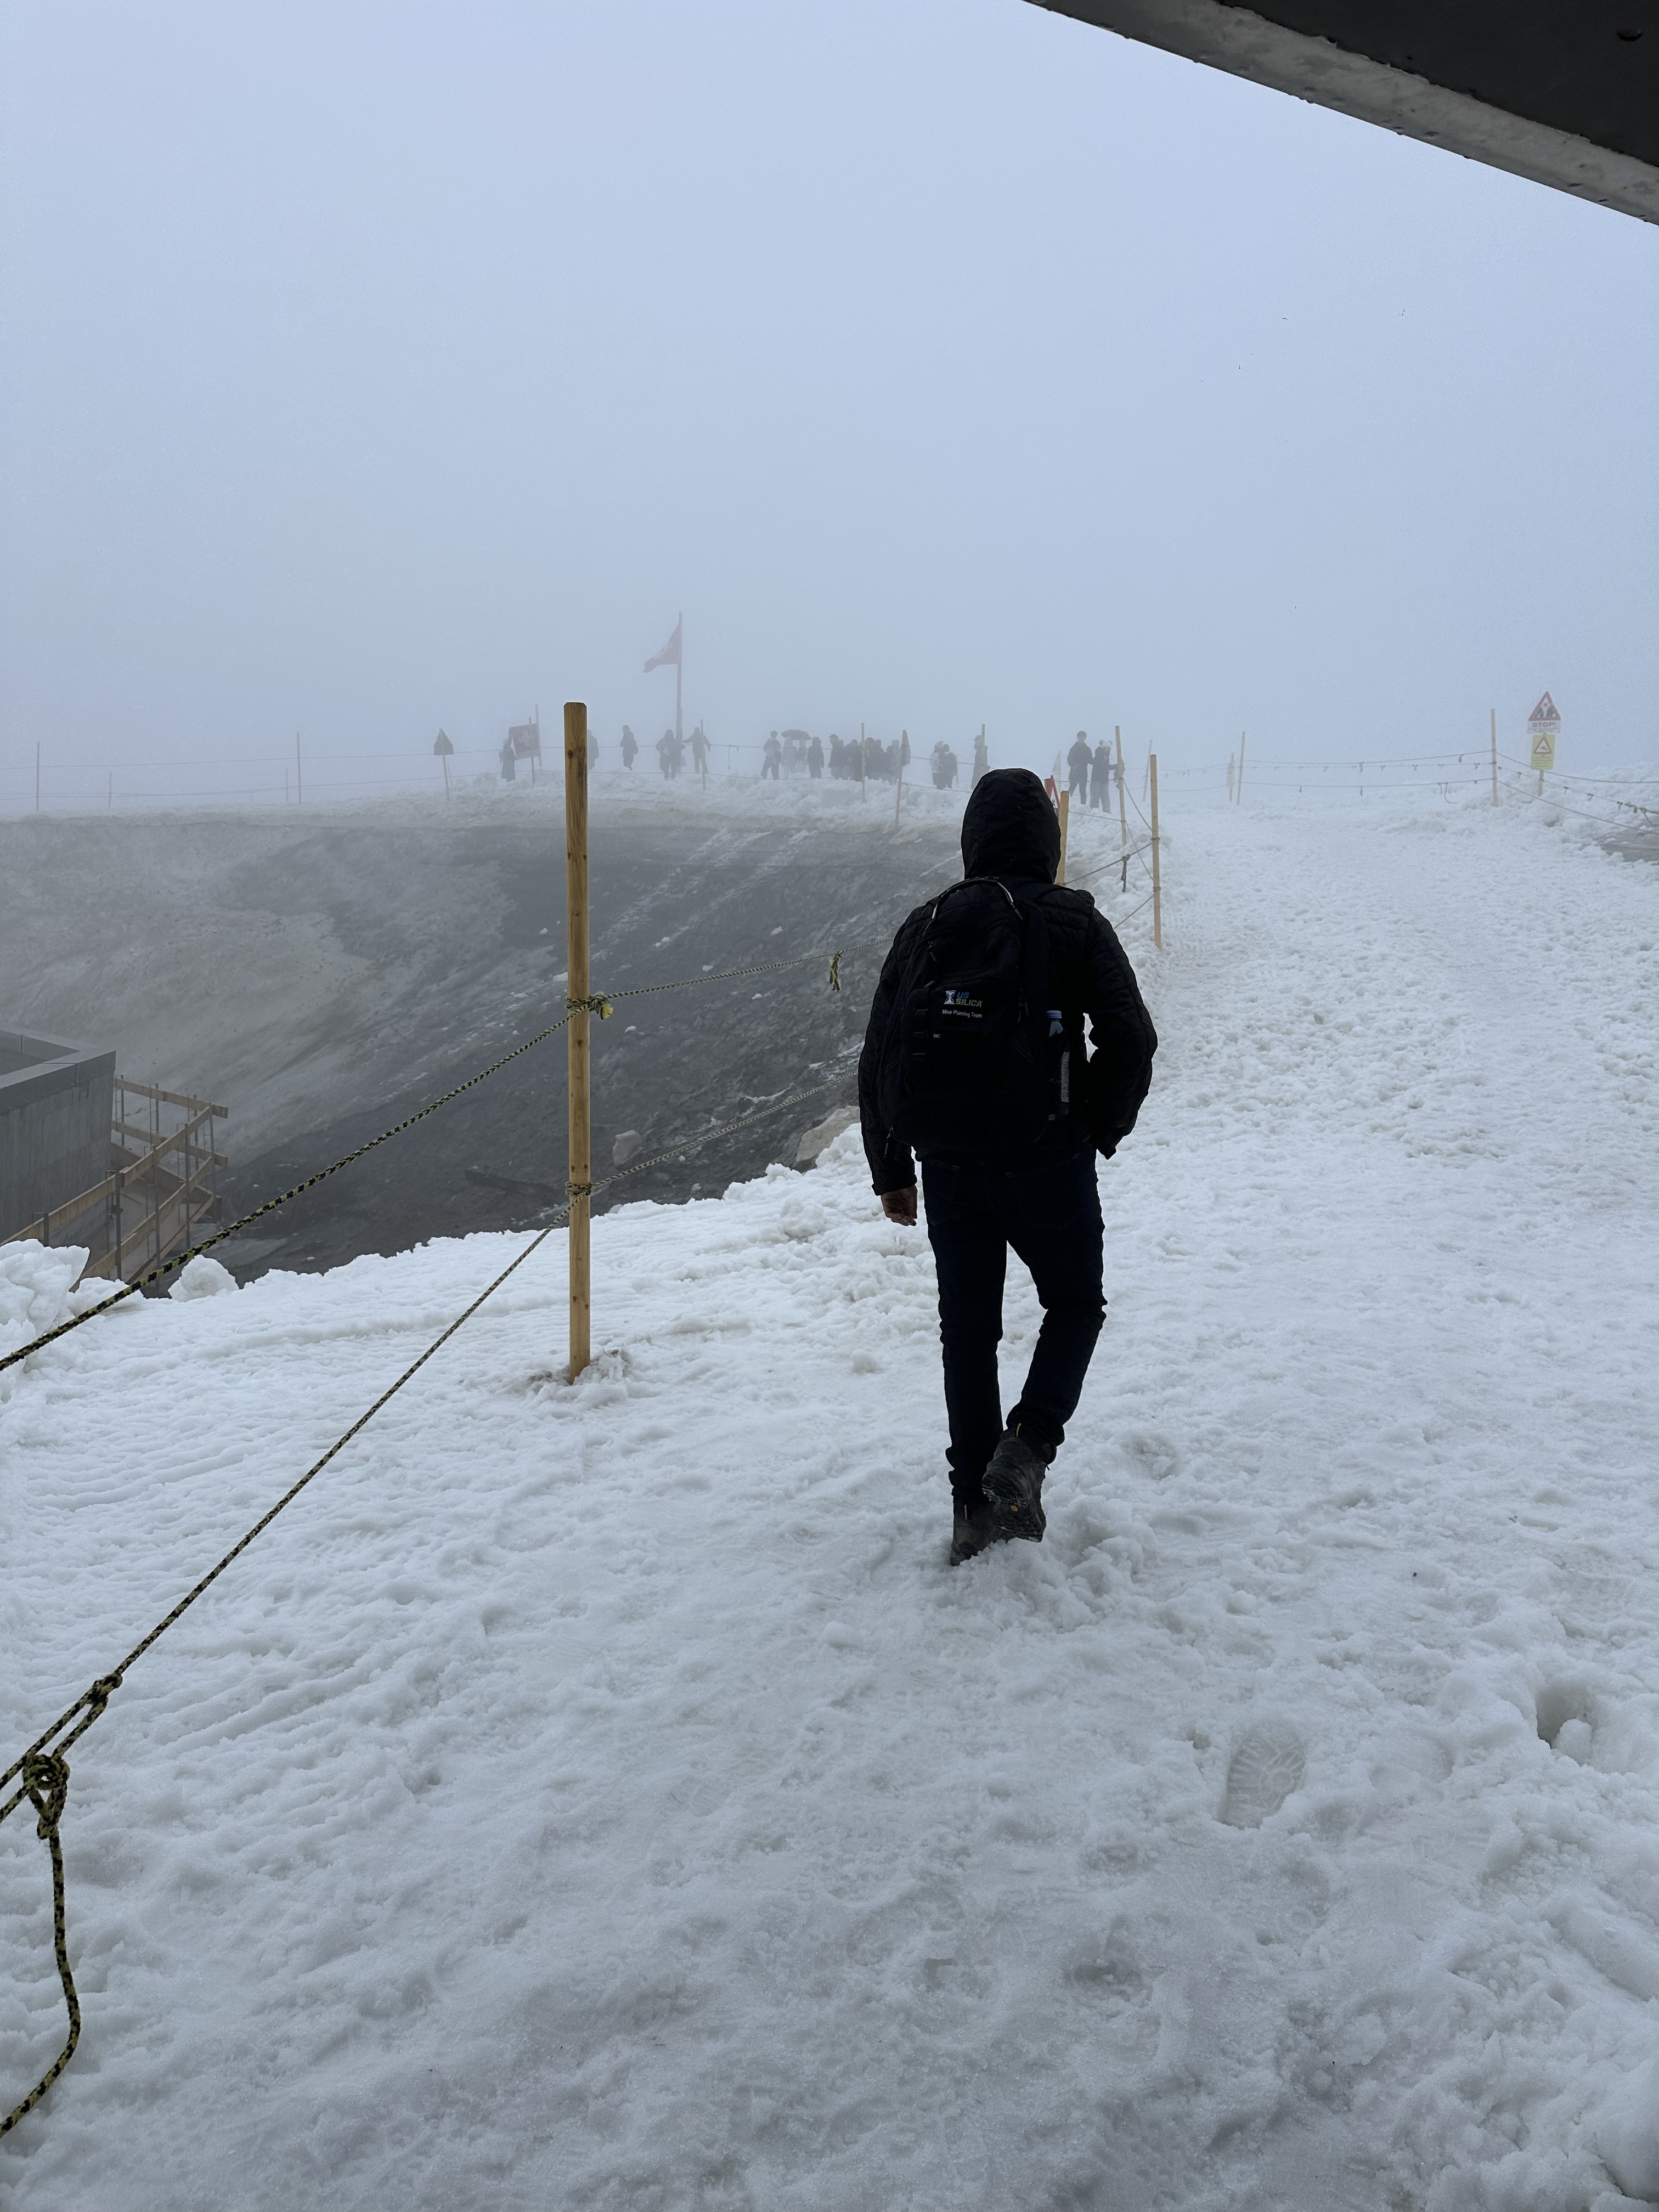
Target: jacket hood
1009, 827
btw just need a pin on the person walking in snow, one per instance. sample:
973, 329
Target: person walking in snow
975, 1062
1080, 760
982, 757
771, 759
699, 751
631, 745
815, 759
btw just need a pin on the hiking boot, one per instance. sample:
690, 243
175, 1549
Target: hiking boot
970, 1531
1013, 1485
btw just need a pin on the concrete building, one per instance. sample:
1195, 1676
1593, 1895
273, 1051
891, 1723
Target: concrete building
57, 1101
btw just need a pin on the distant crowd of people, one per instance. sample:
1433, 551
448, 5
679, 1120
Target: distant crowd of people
671, 751
790, 753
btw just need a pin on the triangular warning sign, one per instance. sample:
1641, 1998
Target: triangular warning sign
1544, 711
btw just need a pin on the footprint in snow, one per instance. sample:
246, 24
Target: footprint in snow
1268, 1762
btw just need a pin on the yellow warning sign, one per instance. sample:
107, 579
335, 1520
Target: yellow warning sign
1543, 728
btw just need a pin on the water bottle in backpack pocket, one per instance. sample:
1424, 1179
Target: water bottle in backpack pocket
966, 1061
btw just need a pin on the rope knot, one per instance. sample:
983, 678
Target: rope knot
46, 1777
834, 971
597, 1004
580, 1189
101, 1694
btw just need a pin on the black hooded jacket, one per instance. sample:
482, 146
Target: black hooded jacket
1010, 830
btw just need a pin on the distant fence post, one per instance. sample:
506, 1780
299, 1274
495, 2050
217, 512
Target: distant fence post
1494, 755
1122, 803
898, 803
1065, 808
577, 986
1242, 737
1157, 872
863, 755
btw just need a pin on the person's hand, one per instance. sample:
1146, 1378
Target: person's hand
900, 1206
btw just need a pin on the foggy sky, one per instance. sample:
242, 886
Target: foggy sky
372, 368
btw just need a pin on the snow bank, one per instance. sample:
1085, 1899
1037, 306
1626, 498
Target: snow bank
37, 1291
605, 1796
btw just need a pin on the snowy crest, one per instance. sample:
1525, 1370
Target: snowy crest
38, 1289
203, 1278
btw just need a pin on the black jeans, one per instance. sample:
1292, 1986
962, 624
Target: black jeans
1051, 1216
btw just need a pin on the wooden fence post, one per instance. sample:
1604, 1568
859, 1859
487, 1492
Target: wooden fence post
1494, 755
1157, 873
1065, 808
898, 803
577, 986
1242, 736
1122, 802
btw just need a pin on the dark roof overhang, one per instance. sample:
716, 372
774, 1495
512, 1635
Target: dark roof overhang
1566, 92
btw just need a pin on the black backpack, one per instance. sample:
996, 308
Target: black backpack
964, 1065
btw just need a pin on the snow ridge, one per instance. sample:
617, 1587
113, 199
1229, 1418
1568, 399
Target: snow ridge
605, 1796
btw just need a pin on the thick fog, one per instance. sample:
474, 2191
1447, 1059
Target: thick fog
944, 362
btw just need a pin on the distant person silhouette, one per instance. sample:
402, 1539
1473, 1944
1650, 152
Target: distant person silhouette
631, 745
815, 759
1080, 760
771, 759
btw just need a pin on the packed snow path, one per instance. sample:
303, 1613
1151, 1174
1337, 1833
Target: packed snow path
606, 1796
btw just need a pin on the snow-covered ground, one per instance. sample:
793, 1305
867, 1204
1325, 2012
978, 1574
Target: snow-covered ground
605, 1796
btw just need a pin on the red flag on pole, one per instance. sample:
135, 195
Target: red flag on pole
670, 655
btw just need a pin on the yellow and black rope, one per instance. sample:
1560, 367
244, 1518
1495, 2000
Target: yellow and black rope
599, 1003
44, 1767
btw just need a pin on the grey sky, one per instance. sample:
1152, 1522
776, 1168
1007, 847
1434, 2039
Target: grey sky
370, 367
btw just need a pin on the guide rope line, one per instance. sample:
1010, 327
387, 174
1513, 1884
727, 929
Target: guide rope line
1118, 860
1565, 783
46, 1774
763, 967
179, 1259
1560, 806
600, 1003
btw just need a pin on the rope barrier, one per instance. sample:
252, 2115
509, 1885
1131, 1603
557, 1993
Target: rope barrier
731, 975
181, 1259
44, 1772
600, 1003
1093, 873
1580, 813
